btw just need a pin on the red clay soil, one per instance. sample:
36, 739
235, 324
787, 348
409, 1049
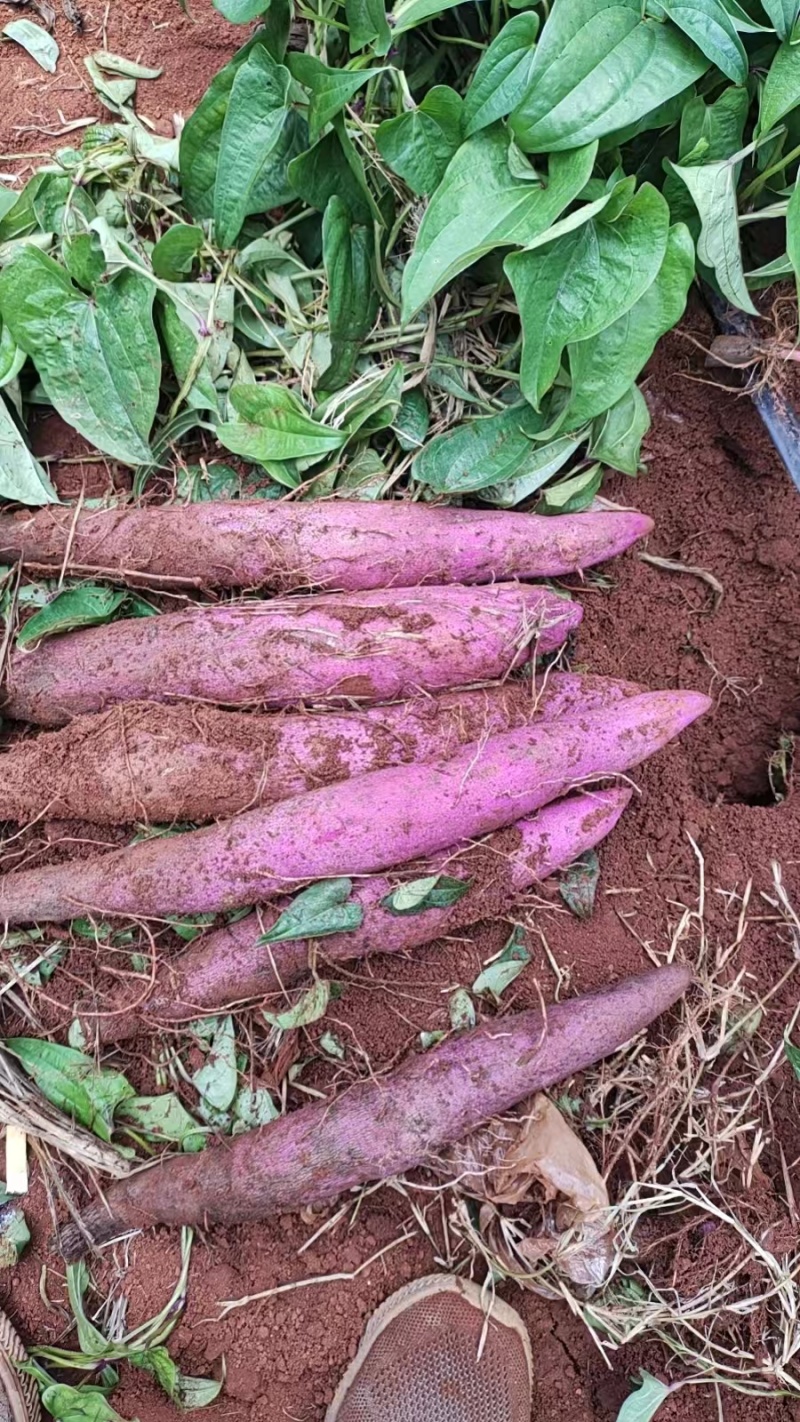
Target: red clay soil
721, 502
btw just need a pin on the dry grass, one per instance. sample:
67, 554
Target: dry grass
679, 1128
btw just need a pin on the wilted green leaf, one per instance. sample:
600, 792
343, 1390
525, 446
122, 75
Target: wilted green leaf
275, 425
462, 1010
781, 767
14, 1232
573, 494
198, 484
617, 435
72, 1082
218, 1078
431, 1039
578, 887
435, 891
713, 188
312, 1005
78, 1404
412, 421
347, 254
40, 45
162, 1118
196, 1392
253, 1108
321, 909
118, 64
22, 477
505, 969
115, 93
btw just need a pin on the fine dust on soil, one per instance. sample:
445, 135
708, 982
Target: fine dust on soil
721, 501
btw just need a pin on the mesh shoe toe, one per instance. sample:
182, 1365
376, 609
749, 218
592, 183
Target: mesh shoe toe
432, 1354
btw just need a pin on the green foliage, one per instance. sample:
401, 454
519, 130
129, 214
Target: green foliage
503, 970
40, 45
418, 145
347, 254
71, 1081
86, 605
142, 1347
253, 124
323, 908
599, 66
434, 891
435, 249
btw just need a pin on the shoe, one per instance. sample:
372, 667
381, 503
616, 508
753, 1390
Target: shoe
19, 1395
437, 1352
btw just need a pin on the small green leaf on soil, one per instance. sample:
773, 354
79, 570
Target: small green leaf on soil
40, 45
118, 64
309, 1008
505, 969
431, 1039
643, 1404
461, 1009
218, 1078
78, 1404
578, 888
196, 1392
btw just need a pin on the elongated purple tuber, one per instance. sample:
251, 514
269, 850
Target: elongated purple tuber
383, 1125
369, 646
231, 965
358, 826
167, 764
330, 544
